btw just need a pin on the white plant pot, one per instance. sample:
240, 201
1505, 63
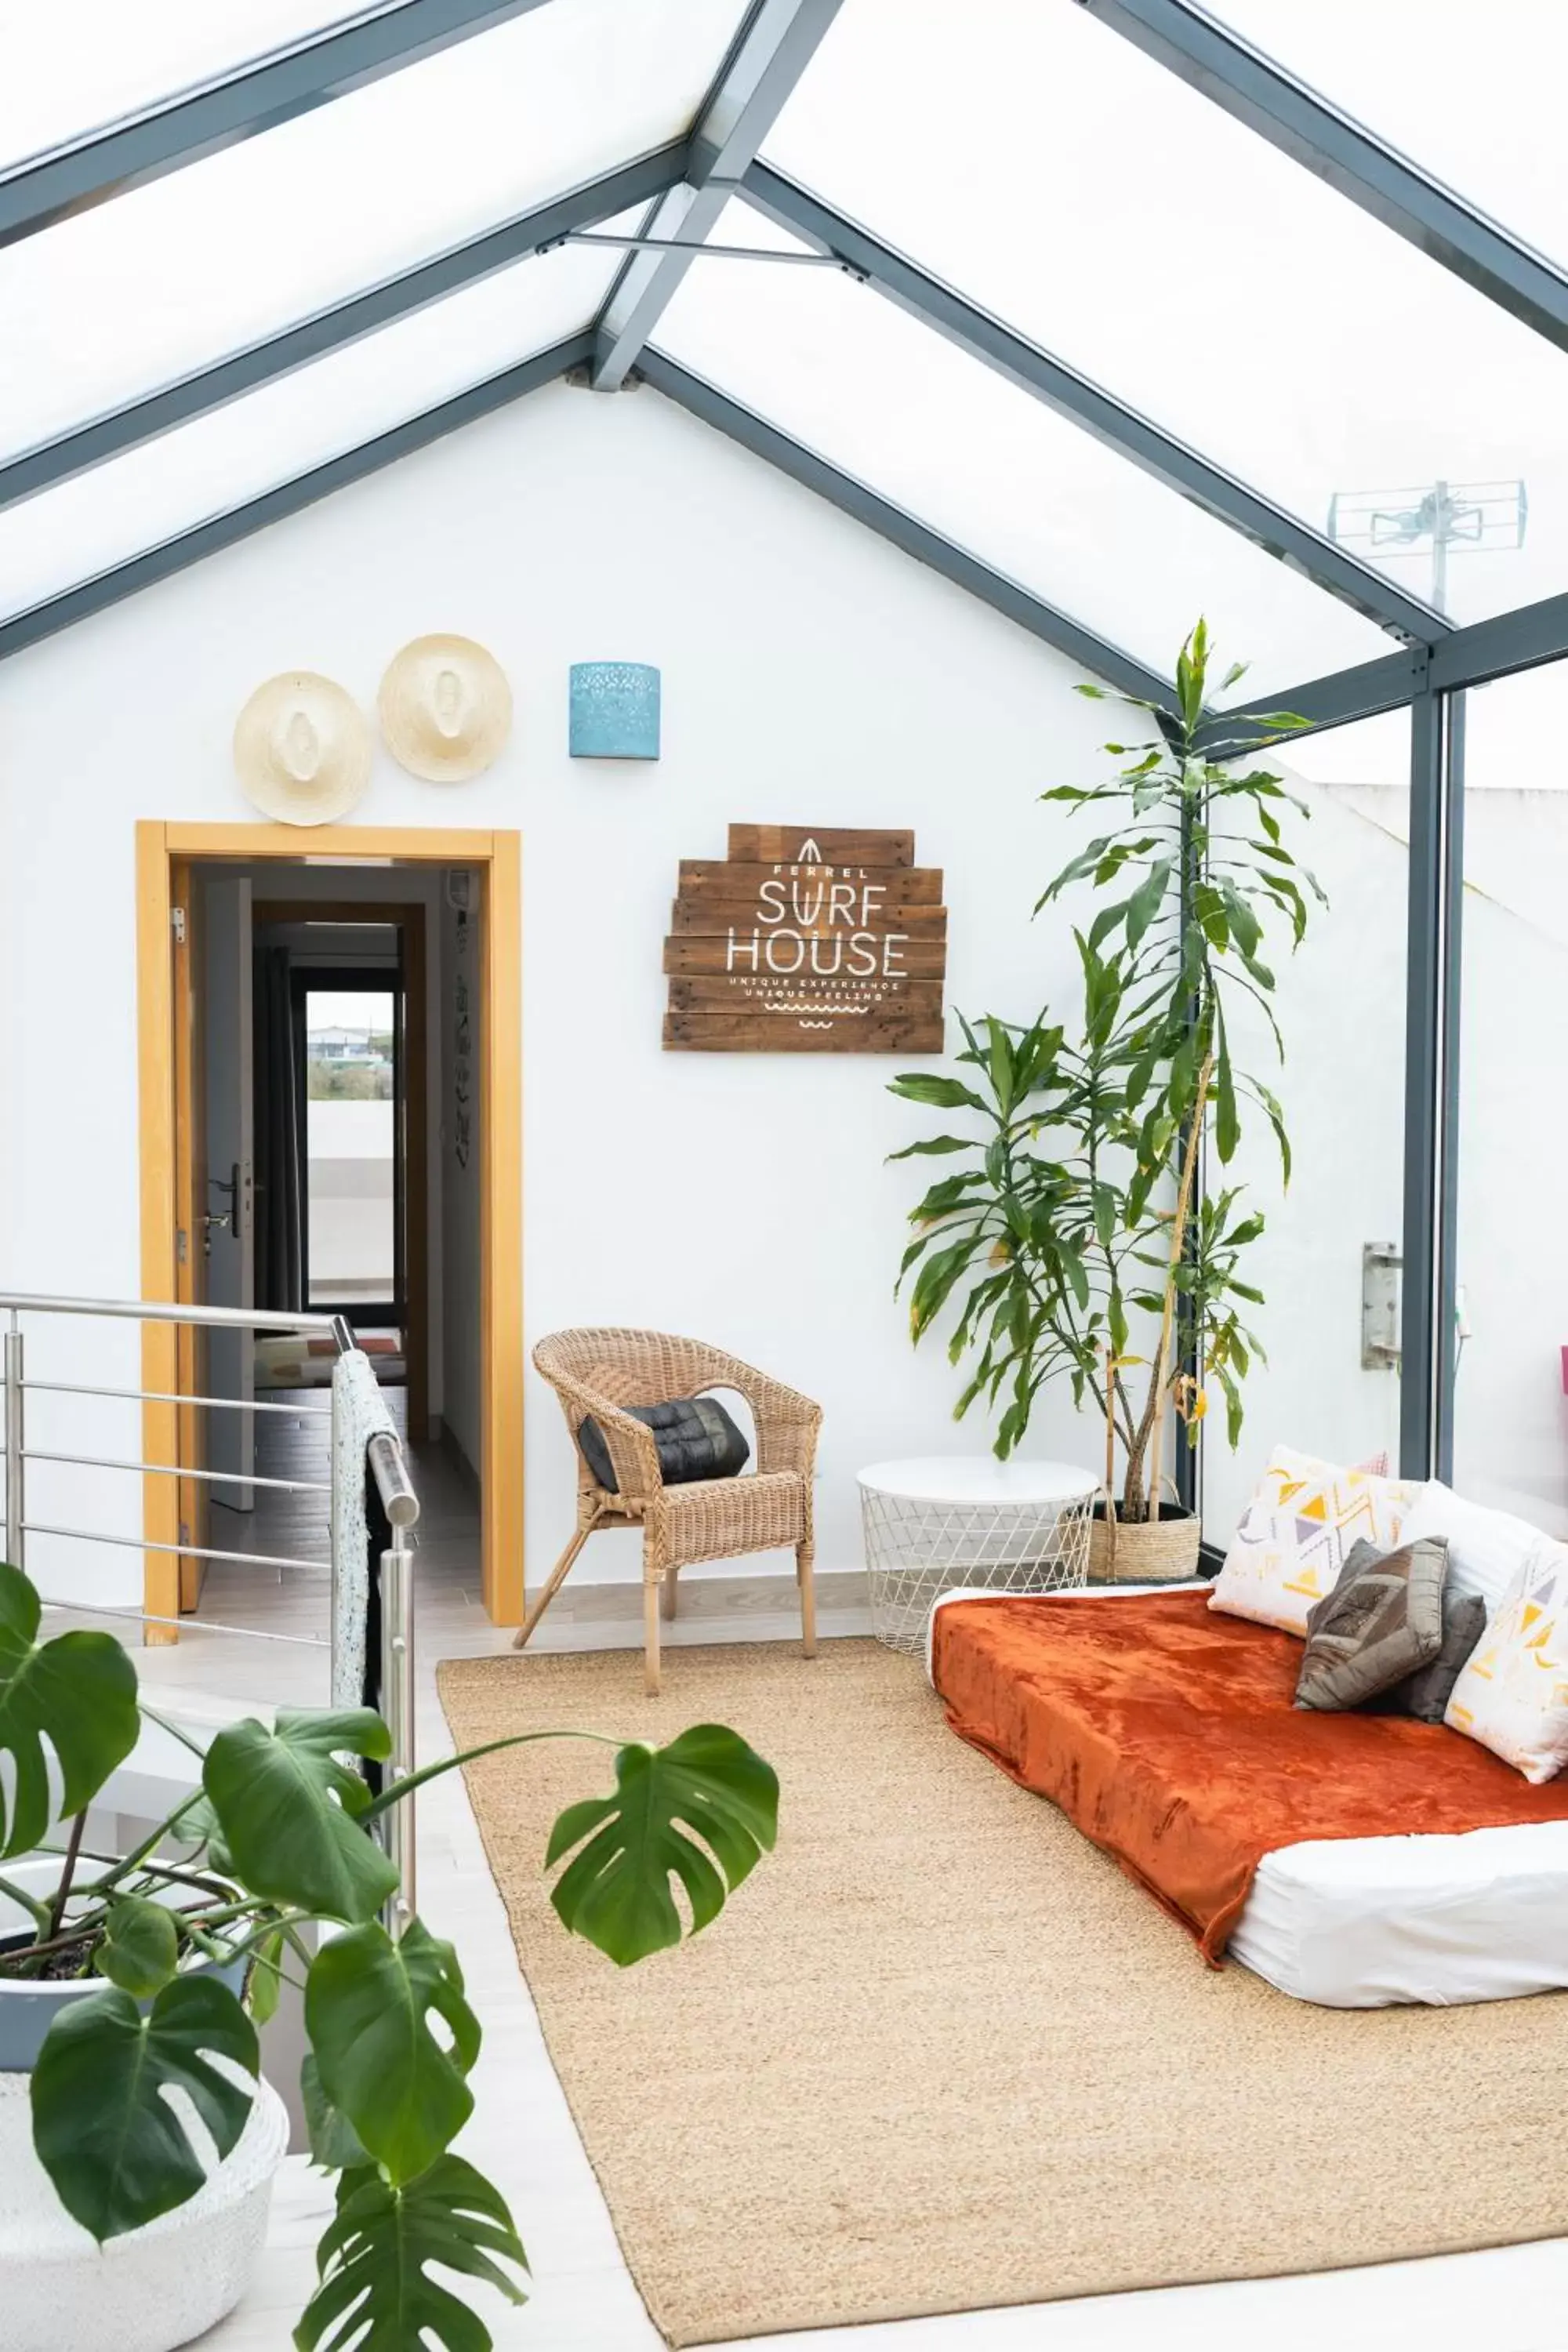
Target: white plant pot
155, 2287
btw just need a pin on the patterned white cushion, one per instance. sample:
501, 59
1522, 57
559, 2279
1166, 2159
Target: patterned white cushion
1512, 1691
1297, 1533
1485, 1549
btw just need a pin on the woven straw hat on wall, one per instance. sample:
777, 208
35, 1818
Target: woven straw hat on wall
302, 749
446, 708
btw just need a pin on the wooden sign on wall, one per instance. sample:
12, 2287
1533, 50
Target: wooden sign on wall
808, 941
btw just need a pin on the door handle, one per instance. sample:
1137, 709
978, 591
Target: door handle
226, 1222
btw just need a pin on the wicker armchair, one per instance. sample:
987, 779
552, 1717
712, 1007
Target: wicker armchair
599, 1372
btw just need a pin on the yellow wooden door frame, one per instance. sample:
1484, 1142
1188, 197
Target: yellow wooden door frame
499, 858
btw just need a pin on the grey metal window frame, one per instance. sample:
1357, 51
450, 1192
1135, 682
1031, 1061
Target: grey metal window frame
1338, 150
288, 498
234, 106
688, 184
263, 362
1098, 412
776, 44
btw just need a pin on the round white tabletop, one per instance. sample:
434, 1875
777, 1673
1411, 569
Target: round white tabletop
980, 1478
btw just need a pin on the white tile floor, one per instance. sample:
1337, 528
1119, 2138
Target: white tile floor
582, 2299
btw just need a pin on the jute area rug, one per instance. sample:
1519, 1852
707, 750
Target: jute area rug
939, 2054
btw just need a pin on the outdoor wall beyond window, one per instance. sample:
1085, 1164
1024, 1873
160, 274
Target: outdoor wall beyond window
1329, 1381
1511, 1422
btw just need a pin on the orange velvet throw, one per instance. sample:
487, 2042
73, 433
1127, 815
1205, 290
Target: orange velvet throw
1166, 1732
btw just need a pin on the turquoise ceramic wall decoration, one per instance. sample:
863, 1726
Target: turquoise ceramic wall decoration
615, 711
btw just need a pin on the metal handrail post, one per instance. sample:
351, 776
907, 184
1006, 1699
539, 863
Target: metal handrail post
15, 1459
398, 1701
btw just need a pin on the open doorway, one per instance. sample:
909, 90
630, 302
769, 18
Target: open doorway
348, 1011
355, 1242
331, 1076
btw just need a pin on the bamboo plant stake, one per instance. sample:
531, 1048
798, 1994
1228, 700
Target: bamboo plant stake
1110, 1453
1178, 1238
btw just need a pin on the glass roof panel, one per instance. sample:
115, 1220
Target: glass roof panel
1178, 259
217, 462
140, 291
883, 398
76, 66
1473, 97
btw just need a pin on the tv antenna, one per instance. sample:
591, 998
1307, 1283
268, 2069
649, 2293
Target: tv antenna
1457, 518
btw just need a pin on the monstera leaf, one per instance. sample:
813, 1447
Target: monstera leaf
78, 1692
376, 2258
286, 1809
615, 1891
335, 2144
368, 2006
141, 1948
104, 2130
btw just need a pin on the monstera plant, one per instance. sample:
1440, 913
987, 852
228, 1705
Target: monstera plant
192, 1935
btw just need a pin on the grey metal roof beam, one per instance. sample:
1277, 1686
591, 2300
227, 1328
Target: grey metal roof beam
77, 604
1341, 152
1526, 638
1072, 395
238, 107
902, 530
1336, 700
1522, 639
776, 44
279, 355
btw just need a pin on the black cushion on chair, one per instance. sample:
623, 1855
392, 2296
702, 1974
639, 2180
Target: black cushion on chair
695, 1437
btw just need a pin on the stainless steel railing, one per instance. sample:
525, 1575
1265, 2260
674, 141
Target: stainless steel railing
386, 1464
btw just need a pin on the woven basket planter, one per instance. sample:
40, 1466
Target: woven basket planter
1149, 1551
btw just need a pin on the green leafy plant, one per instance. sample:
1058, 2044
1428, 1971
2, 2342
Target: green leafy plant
280, 1840
1078, 1207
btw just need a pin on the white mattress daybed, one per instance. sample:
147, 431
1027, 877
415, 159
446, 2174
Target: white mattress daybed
1357, 1923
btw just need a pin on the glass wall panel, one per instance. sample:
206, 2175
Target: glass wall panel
75, 66
1473, 97
351, 1148
1339, 1003
883, 397
1510, 1419
1058, 177
210, 467
140, 291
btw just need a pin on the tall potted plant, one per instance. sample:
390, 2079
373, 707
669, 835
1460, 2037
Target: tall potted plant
135, 1976
1078, 1237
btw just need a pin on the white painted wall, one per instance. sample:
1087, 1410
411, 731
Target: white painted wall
810, 674
1339, 1003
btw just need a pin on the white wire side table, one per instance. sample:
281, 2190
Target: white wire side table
968, 1519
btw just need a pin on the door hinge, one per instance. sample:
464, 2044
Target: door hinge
177, 918
181, 1245
185, 1531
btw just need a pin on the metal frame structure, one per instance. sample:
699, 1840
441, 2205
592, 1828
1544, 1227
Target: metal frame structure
686, 186
393, 1689
289, 498
903, 530
332, 330
238, 106
1072, 395
776, 44
1335, 149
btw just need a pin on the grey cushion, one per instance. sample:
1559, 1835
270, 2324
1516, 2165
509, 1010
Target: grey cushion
1425, 1693
1382, 1621
695, 1438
